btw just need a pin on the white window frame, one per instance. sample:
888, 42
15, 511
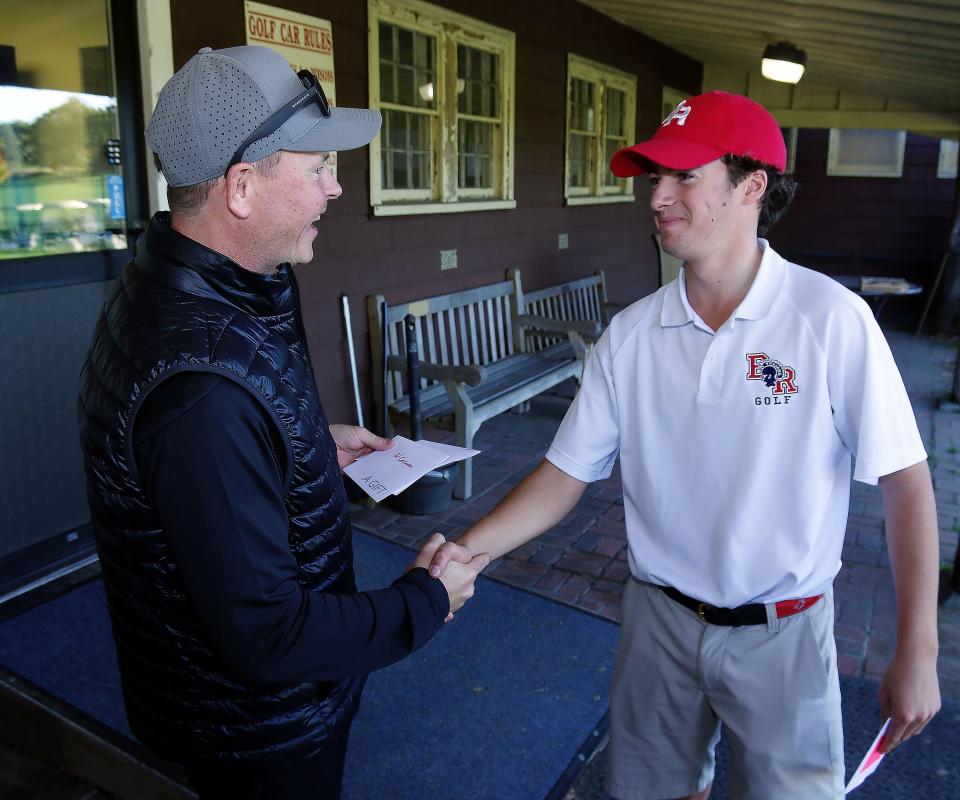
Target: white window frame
863, 169
947, 162
604, 78
449, 29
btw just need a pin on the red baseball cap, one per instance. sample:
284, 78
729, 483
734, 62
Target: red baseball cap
704, 128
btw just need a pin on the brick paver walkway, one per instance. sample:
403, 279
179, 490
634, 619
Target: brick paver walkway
582, 561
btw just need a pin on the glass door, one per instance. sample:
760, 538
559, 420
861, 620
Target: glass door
65, 231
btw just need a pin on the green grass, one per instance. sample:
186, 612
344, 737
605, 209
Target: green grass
50, 190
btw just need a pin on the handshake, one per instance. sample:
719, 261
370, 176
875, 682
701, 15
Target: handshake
455, 566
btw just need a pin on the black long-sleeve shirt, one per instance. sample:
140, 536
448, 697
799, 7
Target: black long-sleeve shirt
210, 460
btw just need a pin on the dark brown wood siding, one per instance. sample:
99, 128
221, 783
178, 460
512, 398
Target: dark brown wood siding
870, 226
400, 256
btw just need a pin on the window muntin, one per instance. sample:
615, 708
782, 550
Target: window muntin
478, 120
408, 104
615, 124
583, 130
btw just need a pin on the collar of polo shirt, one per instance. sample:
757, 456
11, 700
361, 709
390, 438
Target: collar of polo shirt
756, 305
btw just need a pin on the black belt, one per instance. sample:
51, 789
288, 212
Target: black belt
750, 614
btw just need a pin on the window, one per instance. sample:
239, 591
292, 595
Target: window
866, 153
66, 208
947, 163
601, 112
444, 84
61, 188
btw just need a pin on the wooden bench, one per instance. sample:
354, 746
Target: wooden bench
474, 361
577, 309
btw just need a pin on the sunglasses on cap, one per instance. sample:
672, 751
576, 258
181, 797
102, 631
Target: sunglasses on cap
313, 91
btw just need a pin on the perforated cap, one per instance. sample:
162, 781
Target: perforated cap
219, 97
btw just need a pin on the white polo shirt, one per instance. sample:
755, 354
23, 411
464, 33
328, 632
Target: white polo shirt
736, 446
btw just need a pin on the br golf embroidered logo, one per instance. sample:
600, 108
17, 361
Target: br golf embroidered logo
680, 114
776, 375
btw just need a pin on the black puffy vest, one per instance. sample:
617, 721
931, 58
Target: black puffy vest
179, 306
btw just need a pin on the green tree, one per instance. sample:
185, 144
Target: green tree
61, 137
101, 125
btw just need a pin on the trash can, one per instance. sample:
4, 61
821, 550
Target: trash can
428, 495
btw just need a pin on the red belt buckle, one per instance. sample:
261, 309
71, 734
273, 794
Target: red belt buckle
787, 608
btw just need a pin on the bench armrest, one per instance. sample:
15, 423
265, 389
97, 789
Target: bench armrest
472, 374
588, 327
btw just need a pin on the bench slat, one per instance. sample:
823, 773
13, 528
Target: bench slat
429, 323
483, 331
394, 379
418, 329
452, 340
442, 337
464, 342
501, 332
472, 327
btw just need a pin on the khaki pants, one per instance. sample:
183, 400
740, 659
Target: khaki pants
774, 687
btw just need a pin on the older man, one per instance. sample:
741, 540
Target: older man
213, 477
735, 398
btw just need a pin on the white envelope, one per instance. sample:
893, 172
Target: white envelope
386, 472
452, 453
870, 761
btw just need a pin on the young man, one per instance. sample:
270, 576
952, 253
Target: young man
736, 398
213, 478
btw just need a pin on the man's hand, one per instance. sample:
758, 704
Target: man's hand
445, 553
458, 577
909, 695
909, 692
353, 442
430, 547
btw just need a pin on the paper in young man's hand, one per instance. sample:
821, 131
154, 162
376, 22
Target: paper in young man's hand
386, 472
870, 761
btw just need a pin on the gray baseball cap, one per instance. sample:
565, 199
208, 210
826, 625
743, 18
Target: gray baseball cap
219, 97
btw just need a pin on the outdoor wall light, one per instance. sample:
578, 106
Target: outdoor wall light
426, 90
783, 62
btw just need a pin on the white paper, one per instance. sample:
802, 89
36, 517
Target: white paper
452, 454
870, 761
386, 472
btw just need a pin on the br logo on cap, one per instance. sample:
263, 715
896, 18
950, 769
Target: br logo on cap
679, 114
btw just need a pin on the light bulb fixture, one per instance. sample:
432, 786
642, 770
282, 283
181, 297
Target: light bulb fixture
426, 92
783, 62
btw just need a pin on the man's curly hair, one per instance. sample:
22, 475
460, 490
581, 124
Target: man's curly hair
780, 188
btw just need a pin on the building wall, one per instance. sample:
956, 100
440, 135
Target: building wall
870, 226
400, 256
